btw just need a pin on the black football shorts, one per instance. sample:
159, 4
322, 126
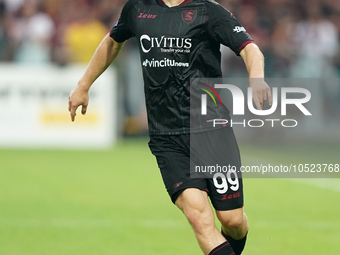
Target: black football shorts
178, 156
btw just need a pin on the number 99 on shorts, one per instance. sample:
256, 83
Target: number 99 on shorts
223, 182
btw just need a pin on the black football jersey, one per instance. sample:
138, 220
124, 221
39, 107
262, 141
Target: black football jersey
177, 44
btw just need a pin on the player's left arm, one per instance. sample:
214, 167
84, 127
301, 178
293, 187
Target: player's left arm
254, 60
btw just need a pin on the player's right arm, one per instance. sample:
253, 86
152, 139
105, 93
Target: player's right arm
105, 54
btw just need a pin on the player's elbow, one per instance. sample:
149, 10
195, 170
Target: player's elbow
252, 49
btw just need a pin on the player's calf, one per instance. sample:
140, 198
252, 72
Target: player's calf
234, 228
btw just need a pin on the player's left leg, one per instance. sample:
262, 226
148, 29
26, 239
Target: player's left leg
234, 228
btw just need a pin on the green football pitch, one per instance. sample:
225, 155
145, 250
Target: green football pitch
114, 202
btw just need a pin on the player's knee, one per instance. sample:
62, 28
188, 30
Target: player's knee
234, 223
232, 219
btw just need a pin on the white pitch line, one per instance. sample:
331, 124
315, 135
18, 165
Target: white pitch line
92, 223
164, 224
328, 184
161, 224
311, 225
322, 183
63, 223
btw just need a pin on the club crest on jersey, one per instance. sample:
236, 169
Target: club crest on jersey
189, 16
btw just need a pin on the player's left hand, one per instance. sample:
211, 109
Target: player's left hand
261, 93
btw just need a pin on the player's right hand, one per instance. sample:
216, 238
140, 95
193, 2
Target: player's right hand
261, 92
78, 97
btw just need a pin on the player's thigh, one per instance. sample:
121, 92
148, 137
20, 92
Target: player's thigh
225, 184
226, 191
173, 157
195, 205
193, 198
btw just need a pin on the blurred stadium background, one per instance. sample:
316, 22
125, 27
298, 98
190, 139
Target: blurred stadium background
59, 194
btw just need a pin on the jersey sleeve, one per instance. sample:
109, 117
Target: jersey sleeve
226, 29
123, 29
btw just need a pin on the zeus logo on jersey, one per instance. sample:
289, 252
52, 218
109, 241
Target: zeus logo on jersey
146, 16
147, 43
239, 29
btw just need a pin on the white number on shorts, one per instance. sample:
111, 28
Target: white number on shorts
221, 183
234, 183
222, 187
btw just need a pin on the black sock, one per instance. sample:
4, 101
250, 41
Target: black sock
223, 249
237, 245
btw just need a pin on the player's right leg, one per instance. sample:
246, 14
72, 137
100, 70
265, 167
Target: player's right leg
195, 205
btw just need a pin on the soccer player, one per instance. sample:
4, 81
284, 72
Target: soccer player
180, 40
